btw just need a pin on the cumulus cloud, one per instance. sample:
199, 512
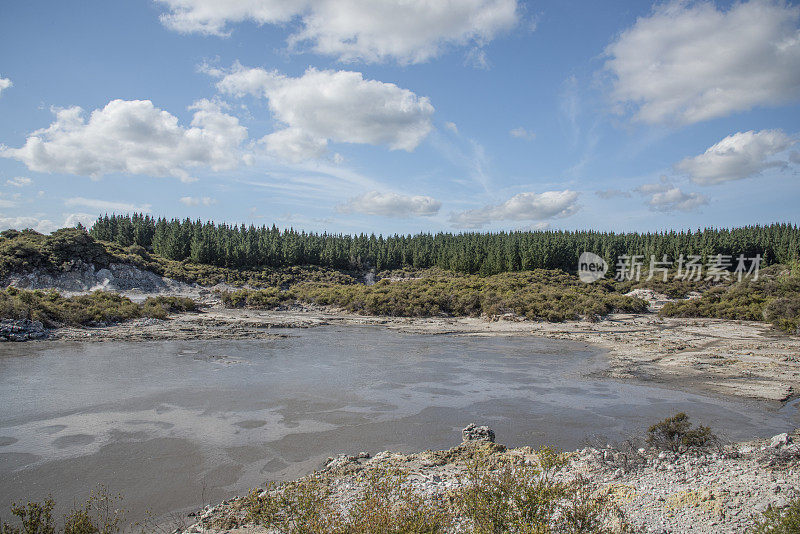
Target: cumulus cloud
392, 205
198, 201
522, 133
133, 137
106, 205
689, 62
521, 207
408, 31
666, 196
43, 226
86, 219
674, 199
326, 105
19, 181
5, 83
738, 156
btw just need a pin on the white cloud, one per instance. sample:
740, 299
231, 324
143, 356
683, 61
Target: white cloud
106, 205
522, 133
674, 199
5, 203
197, 201
689, 62
43, 226
337, 106
521, 207
451, 126
5, 83
133, 137
86, 219
477, 59
666, 196
408, 31
19, 181
392, 205
738, 156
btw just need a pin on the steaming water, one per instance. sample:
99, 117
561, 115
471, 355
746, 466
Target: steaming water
175, 424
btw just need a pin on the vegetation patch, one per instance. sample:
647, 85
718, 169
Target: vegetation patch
676, 432
774, 297
780, 520
92, 309
549, 295
100, 514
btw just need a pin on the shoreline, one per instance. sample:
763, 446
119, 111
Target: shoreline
742, 359
720, 489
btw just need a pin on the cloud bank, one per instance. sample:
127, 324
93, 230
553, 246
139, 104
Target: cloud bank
521, 207
690, 62
407, 31
392, 205
324, 106
738, 156
133, 137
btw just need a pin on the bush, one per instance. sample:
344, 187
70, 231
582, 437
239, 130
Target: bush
535, 295
774, 297
780, 521
96, 308
98, 515
676, 431
35, 518
528, 499
508, 499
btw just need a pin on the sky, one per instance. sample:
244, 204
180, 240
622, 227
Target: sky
401, 116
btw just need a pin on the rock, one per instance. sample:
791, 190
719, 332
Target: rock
780, 440
477, 433
21, 330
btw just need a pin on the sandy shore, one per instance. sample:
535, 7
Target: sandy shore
744, 359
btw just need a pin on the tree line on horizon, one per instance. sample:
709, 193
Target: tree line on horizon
248, 247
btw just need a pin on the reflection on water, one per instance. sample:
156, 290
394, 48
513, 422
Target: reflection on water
174, 424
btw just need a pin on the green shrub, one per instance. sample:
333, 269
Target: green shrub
676, 431
35, 518
98, 515
535, 295
780, 520
529, 499
774, 297
96, 308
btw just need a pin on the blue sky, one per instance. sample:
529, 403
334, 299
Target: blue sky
367, 116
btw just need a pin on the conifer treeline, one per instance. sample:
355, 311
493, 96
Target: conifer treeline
485, 253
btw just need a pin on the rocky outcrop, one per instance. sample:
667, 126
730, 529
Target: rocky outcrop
720, 490
477, 433
86, 277
21, 330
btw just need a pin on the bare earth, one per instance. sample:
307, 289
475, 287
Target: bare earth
745, 359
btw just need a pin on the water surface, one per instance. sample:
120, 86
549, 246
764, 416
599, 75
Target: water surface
179, 424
